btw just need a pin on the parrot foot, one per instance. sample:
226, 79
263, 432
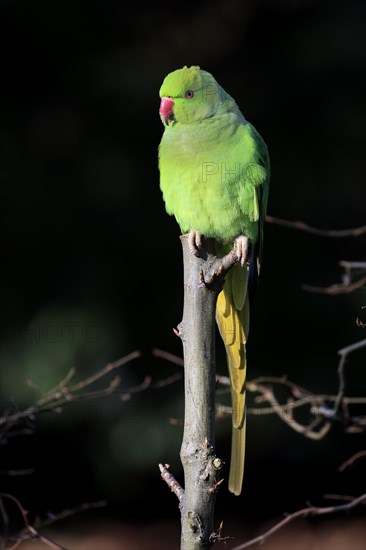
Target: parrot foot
195, 242
241, 249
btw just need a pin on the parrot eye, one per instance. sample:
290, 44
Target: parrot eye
189, 94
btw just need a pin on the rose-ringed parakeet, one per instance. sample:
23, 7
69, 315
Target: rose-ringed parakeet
214, 175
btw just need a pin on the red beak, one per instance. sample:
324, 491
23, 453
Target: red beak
166, 108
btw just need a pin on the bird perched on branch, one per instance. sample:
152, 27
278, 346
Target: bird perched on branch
214, 175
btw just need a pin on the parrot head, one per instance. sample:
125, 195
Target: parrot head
188, 95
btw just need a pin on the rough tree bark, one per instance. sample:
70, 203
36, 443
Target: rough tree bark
203, 278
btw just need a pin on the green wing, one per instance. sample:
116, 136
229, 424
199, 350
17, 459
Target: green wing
260, 176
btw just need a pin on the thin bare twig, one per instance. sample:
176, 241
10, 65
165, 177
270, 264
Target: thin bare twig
344, 352
359, 323
31, 531
338, 288
346, 498
339, 412
352, 347
5, 521
28, 532
351, 460
304, 512
347, 286
223, 380
70, 512
167, 381
315, 400
62, 394
352, 265
351, 270
136, 389
337, 233
322, 415
14, 473
168, 356
285, 412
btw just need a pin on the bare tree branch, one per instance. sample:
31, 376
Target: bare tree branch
224, 380
168, 356
352, 347
69, 512
338, 288
337, 233
346, 498
351, 460
304, 512
63, 394
146, 383
348, 285
28, 532
14, 473
350, 267
359, 323
322, 414
32, 531
353, 278
203, 278
285, 412
344, 352
316, 400
167, 381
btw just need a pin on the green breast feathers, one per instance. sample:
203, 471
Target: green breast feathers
212, 162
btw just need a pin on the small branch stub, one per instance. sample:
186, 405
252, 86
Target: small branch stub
170, 480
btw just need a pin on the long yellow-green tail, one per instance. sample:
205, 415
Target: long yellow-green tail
232, 316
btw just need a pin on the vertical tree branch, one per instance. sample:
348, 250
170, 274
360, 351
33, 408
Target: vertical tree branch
197, 332
203, 279
201, 466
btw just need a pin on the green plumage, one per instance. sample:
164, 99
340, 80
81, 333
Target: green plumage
214, 175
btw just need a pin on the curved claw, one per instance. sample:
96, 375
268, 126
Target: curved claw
241, 248
195, 242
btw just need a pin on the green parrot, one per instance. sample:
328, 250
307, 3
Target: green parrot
214, 176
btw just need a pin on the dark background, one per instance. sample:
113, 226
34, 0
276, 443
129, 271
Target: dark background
92, 264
